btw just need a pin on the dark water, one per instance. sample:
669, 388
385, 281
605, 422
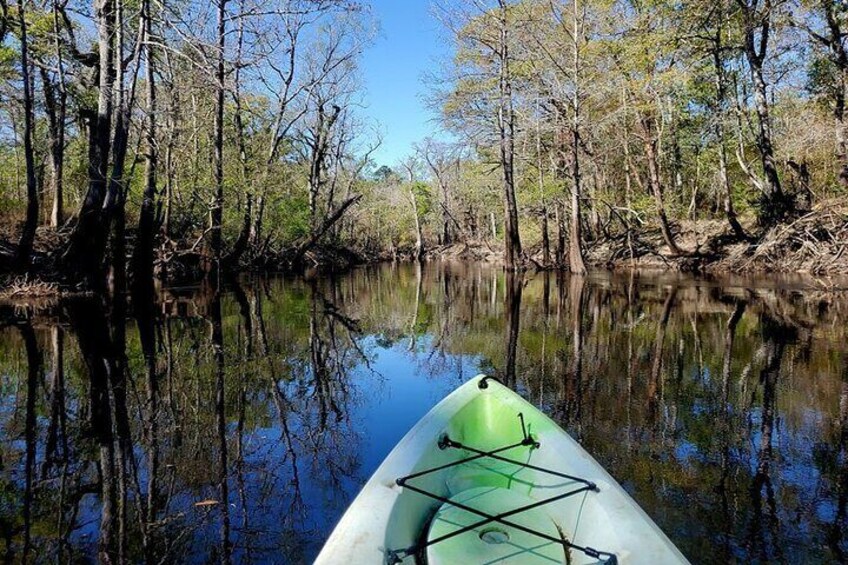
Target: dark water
239, 428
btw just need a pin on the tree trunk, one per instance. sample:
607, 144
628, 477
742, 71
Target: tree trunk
243, 239
721, 95
650, 146
24, 252
512, 311
419, 236
88, 240
546, 240
324, 227
561, 237
57, 130
213, 263
171, 135
143, 251
757, 25
114, 206
839, 116
575, 244
774, 192
513, 260
55, 109
575, 239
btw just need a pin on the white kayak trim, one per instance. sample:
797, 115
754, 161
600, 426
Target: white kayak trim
386, 517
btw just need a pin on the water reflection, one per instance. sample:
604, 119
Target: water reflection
237, 426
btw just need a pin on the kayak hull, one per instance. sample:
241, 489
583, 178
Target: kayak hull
396, 521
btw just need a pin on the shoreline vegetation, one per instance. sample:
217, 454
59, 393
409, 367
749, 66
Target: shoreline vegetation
705, 137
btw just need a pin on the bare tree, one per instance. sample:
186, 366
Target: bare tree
411, 165
216, 212
506, 126
757, 18
568, 82
25, 243
87, 245
143, 250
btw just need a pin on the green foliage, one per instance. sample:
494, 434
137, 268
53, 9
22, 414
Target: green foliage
423, 197
823, 80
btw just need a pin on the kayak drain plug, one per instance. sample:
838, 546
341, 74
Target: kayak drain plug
494, 536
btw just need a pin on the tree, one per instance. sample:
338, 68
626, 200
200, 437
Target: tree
24, 251
563, 44
442, 159
143, 250
216, 212
483, 32
824, 23
643, 57
87, 245
757, 19
706, 29
415, 190
55, 102
506, 127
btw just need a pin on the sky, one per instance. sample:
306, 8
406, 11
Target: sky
409, 44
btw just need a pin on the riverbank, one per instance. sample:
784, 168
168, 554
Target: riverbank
813, 244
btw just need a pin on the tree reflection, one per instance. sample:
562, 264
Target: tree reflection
512, 313
655, 382
836, 536
775, 338
33, 373
216, 338
107, 416
226, 425
726, 428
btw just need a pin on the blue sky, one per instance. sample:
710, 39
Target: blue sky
409, 44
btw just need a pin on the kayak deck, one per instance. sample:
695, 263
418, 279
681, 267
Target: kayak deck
485, 477
488, 521
457, 535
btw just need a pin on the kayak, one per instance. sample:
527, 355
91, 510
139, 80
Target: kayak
485, 477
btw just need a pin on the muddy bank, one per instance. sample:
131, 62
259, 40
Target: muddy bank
812, 243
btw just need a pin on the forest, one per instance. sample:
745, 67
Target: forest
145, 139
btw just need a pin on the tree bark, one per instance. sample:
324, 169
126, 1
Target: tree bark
88, 240
721, 98
546, 239
143, 251
561, 237
721, 95
576, 264
513, 259
649, 142
757, 26
24, 252
114, 205
213, 263
240, 245
55, 104
419, 236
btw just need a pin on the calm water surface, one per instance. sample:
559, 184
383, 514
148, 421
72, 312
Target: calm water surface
239, 428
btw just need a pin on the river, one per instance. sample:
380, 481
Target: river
238, 427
